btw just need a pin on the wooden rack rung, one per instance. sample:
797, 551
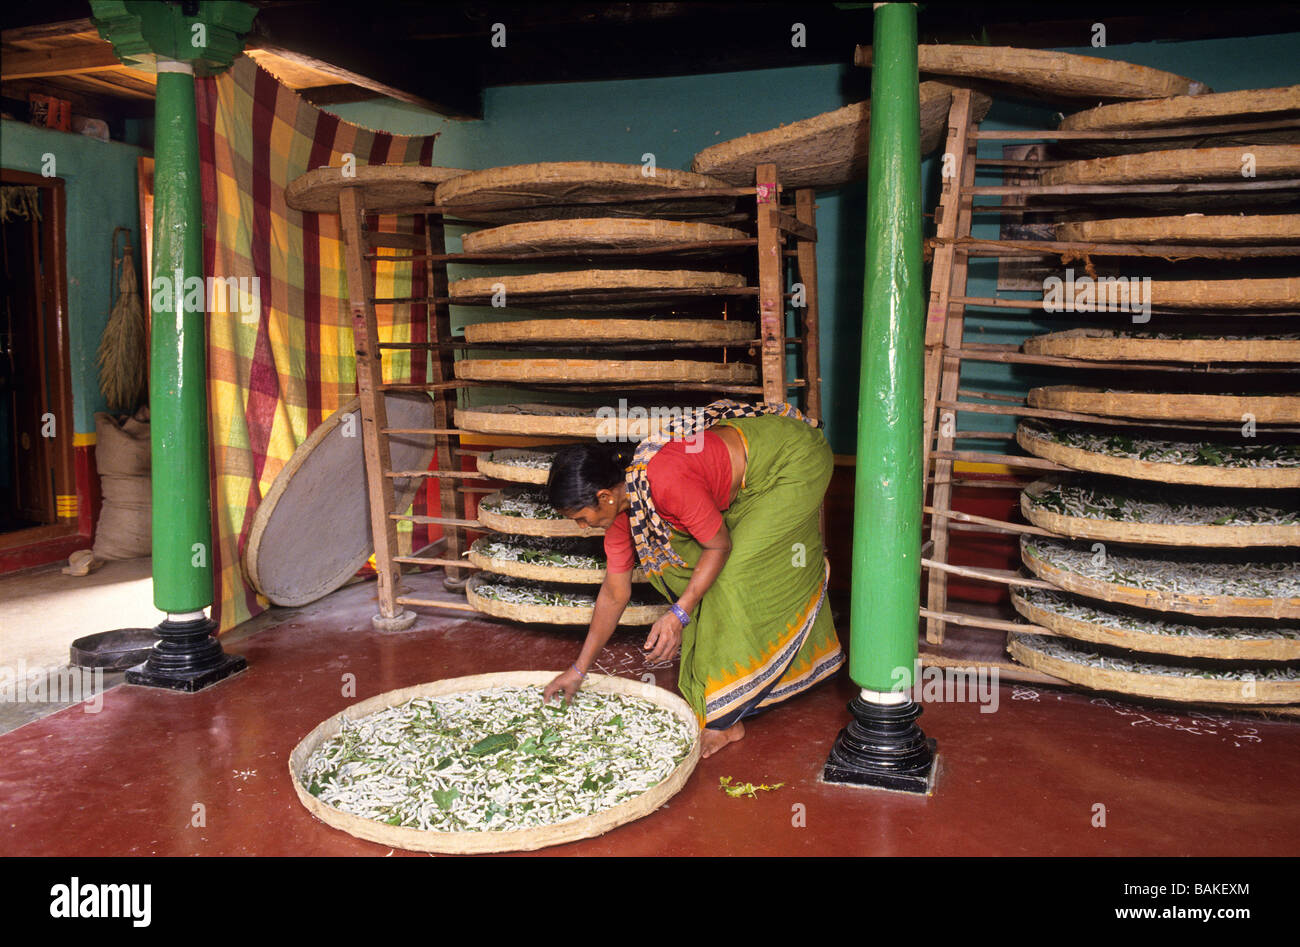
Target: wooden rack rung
1140, 134
438, 520
435, 603
421, 430
1001, 576
1030, 190
977, 621
1010, 460
1000, 525
415, 474
435, 561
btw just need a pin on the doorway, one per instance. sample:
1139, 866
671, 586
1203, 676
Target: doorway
38, 497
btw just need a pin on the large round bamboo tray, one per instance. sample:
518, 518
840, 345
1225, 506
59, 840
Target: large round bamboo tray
598, 370
1178, 164
1186, 228
537, 571
1110, 630
1160, 599
1159, 406
527, 526
612, 330
827, 150
1253, 104
498, 464
1157, 534
311, 532
1108, 346
1029, 436
630, 289
520, 840
1050, 75
1027, 649
598, 233
554, 190
553, 614
382, 187
1280, 293
557, 421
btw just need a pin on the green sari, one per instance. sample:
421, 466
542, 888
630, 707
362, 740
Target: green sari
761, 633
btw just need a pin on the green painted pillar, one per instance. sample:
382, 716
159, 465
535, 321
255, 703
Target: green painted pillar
888, 490
883, 747
178, 42
178, 404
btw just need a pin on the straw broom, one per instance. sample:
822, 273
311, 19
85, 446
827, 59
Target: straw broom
123, 348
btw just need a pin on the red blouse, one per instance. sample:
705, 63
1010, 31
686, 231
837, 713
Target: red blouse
690, 488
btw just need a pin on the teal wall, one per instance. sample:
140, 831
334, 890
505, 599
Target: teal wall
100, 183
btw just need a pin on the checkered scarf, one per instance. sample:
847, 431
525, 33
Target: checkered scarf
650, 532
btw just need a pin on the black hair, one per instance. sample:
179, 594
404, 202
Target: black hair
578, 471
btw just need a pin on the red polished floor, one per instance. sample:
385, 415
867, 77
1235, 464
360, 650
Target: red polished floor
1026, 779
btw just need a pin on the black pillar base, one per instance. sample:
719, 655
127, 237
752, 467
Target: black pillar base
187, 658
882, 747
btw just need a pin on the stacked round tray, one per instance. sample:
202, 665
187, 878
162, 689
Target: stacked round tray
624, 263
1175, 557
1167, 553
539, 566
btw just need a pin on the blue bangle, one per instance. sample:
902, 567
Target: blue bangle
680, 612
579, 673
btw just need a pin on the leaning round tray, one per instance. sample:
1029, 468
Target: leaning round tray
1054, 76
543, 370
503, 465
582, 290
599, 233
1109, 629
1185, 228
1149, 682
612, 330
537, 571
566, 189
382, 187
559, 421
1165, 406
553, 614
1145, 533
465, 842
1177, 164
1159, 599
502, 523
826, 150
311, 532
1029, 436
1106, 345
1248, 104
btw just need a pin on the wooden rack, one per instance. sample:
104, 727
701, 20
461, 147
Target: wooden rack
981, 643
784, 233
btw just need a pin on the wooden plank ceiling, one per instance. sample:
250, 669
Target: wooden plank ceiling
442, 55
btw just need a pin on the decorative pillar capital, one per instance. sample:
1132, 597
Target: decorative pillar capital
207, 34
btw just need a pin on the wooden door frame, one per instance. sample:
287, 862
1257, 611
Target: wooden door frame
57, 370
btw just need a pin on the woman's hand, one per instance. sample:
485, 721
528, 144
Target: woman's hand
566, 684
665, 638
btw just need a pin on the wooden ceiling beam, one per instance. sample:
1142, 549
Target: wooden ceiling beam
64, 61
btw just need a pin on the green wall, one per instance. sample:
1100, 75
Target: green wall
676, 117
100, 183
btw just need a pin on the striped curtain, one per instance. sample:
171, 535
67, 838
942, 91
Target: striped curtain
283, 366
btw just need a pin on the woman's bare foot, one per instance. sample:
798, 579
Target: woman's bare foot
713, 740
